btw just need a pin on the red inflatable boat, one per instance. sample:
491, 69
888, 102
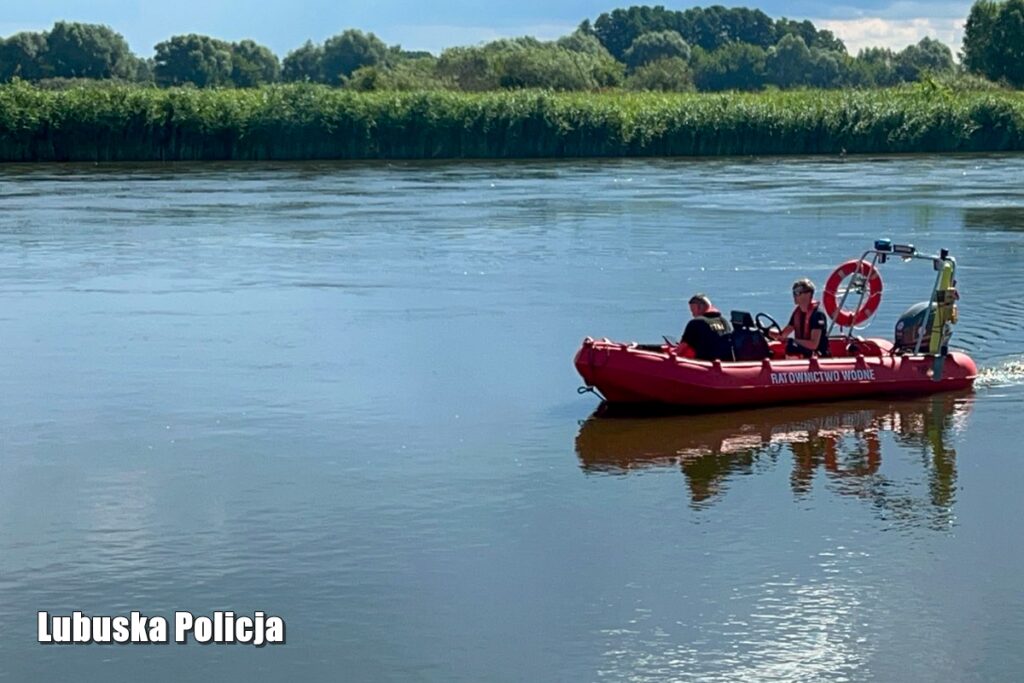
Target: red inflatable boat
918, 362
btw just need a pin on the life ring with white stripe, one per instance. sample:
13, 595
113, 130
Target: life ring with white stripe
872, 281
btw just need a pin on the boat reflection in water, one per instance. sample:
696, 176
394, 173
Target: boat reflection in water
845, 441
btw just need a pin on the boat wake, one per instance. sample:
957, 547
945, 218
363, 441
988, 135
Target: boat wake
1008, 372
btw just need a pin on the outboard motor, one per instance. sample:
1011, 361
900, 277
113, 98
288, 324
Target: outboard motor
914, 325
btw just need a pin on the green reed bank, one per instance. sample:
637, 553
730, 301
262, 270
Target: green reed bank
133, 123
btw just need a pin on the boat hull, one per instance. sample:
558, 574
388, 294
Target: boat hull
630, 374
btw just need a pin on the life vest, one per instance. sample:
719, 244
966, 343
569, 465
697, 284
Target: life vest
713, 317
802, 322
708, 336
802, 328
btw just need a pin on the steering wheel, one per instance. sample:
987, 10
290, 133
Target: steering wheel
760, 320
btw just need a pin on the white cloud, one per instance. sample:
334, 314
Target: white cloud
894, 33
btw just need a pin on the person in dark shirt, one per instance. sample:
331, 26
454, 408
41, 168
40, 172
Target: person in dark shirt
807, 324
705, 337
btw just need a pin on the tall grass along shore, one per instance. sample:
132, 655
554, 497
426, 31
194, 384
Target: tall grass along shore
133, 123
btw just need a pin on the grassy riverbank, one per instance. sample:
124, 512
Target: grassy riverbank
128, 123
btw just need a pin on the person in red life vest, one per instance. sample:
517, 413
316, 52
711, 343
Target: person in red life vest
706, 336
807, 324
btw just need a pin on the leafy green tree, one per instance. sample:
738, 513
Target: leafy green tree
349, 51
1008, 39
144, 71
812, 37
670, 74
368, 79
76, 50
825, 69
789, 63
408, 74
304, 64
735, 66
826, 40
469, 68
586, 29
552, 67
701, 27
584, 41
618, 29
529, 63
994, 41
603, 68
654, 46
873, 67
979, 52
201, 60
253, 65
396, 54
23, 56
539, 68
928, 55
588, 51
706, 27
750, 26
508, 44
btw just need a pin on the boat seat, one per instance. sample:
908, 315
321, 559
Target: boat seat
747, 341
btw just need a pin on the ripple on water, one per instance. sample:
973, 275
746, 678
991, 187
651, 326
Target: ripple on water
326, 390
1009, 372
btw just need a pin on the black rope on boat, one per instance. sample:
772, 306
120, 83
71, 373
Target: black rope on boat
589, 390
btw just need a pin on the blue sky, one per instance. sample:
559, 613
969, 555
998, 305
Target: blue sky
416, 24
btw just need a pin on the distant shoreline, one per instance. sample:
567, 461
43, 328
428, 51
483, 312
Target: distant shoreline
313, 122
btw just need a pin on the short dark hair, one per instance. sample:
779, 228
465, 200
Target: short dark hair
804, 284
700, 298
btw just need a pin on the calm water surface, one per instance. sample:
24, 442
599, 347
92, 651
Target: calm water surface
343, 394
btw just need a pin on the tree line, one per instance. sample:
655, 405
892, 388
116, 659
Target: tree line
639, 48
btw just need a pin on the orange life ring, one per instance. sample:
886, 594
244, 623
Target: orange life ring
845, 317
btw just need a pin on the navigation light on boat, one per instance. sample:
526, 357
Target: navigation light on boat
883, 245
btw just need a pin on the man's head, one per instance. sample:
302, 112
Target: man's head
699, 304
803, 292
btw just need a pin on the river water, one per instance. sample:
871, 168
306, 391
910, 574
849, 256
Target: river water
343, 394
